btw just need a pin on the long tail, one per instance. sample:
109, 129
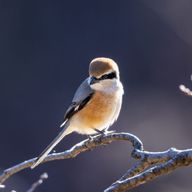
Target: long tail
47, 150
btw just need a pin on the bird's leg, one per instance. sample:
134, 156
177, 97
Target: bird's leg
90, 137
100, 132
104, 131
108, 132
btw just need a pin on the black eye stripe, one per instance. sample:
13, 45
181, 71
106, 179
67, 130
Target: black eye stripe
112, 75
109, 76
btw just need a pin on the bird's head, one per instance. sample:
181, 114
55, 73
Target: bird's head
103, 73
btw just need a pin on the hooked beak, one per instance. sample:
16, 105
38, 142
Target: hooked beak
93, 80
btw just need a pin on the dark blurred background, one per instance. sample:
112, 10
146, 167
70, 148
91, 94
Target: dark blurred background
45, 50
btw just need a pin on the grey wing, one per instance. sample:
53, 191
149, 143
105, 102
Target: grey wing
83, 91
81, 98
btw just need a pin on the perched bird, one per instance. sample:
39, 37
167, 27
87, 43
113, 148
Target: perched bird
95, 106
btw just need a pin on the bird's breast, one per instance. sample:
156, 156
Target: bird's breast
98, 113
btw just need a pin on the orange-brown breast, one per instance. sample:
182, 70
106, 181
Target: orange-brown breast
95, 114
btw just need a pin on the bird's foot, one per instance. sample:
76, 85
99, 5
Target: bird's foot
109, 132
104, 132
90, 137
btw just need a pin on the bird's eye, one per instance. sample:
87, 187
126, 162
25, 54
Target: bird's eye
109, 76
93, 80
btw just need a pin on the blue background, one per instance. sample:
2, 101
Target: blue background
45, 50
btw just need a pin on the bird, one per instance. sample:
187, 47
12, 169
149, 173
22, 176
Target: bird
95, 106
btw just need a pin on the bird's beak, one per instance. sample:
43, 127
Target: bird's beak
93, 80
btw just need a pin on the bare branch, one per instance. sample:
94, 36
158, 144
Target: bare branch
149, 165
83, 146
182, 158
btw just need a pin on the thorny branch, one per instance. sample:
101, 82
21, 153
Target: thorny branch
149, 165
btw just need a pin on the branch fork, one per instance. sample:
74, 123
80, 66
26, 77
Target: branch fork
149, 165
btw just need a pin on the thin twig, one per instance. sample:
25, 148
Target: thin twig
2, 186
186, 90
36, 184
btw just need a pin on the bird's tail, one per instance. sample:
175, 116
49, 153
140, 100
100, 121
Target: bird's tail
47, 150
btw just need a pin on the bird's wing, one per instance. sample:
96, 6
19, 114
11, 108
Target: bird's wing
82, 96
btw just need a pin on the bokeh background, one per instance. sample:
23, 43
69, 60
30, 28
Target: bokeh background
45, 50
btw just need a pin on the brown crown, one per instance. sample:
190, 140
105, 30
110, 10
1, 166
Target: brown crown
102, 65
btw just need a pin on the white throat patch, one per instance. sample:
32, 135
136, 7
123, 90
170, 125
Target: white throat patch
107, 85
